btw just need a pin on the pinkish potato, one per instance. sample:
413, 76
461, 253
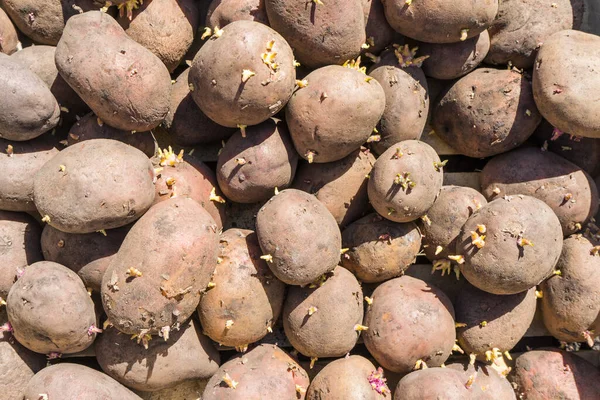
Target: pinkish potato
223, 12
17, 367
487, 384
432, 383
8, 33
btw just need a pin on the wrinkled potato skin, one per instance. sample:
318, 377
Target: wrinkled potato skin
29, 108
461, 119
223, 12
389, 199
340, 185
323, 35
488, 384
335, 126
432, 383
93, 192
17, 367
372, 256
571, 301
68, 381
555, 374
561, 94
50, 289
377, 29
10, 40
409, 320
125, 85
245, 292
176, 239
220, 92
300, 234
261, 373
270, 162
187, 354
547, 177
450, 285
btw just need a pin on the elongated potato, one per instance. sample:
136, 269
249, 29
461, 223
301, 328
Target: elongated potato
10, 40
17, 367
223, 12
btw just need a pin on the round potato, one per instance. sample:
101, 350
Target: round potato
405, 181
243, 75
17, 367
223, 12
378, 31
8, 33
433, 383
486, 383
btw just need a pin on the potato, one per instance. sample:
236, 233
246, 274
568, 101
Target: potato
446, 218
232, 84
50, 289
323, 320
379, 249
406, 100
224, 12
330, 34
29, 108
451, 286
335, 114
405, 181
245, 293
125, 85
378, 31
186, 123
17, 367
560, 93
440, 22
461, 116
487, 383
432, 383
300, 235
69, 381
521, 27
340, 185
409, 320
522, 243
568, 190
8, 33
347, 378
262, 373
571, 300
555, 374
82, 192
186, 354
250, 168
166, 259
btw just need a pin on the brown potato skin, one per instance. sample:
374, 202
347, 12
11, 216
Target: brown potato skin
261, 373
246, 292
547, 177
322, 35
335, 126
340, 185
377, 29
488, 384
176, 239
187, 354
94, 193
372, 256
50, 289
125, 85
67, 381
220, 92
502, 266
409, 320
17, 367
388, 198
561, 95
223, 12
447, 283
555, 374
8, 33
571, 301
270, 162
432, 383
460, 117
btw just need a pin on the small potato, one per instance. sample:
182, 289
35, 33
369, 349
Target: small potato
461, 116
243, 75
93, 185
569, 191
378, 31
50, 289
250, 168
448, 281
223, 12
244, 293
340, 185
262, 373
405, 181
334, 114
8, 33
298, 236
17, 367
379, 249
125, 85
433, 383
409, 320
519, 249
563, 83
484, 382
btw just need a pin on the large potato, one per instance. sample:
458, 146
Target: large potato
126, 85
243, 75
224, 12
94, 185
17, 367
166, 259
8, 33
487, 384
433, 383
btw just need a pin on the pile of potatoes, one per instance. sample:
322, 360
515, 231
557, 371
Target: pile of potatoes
319, 254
